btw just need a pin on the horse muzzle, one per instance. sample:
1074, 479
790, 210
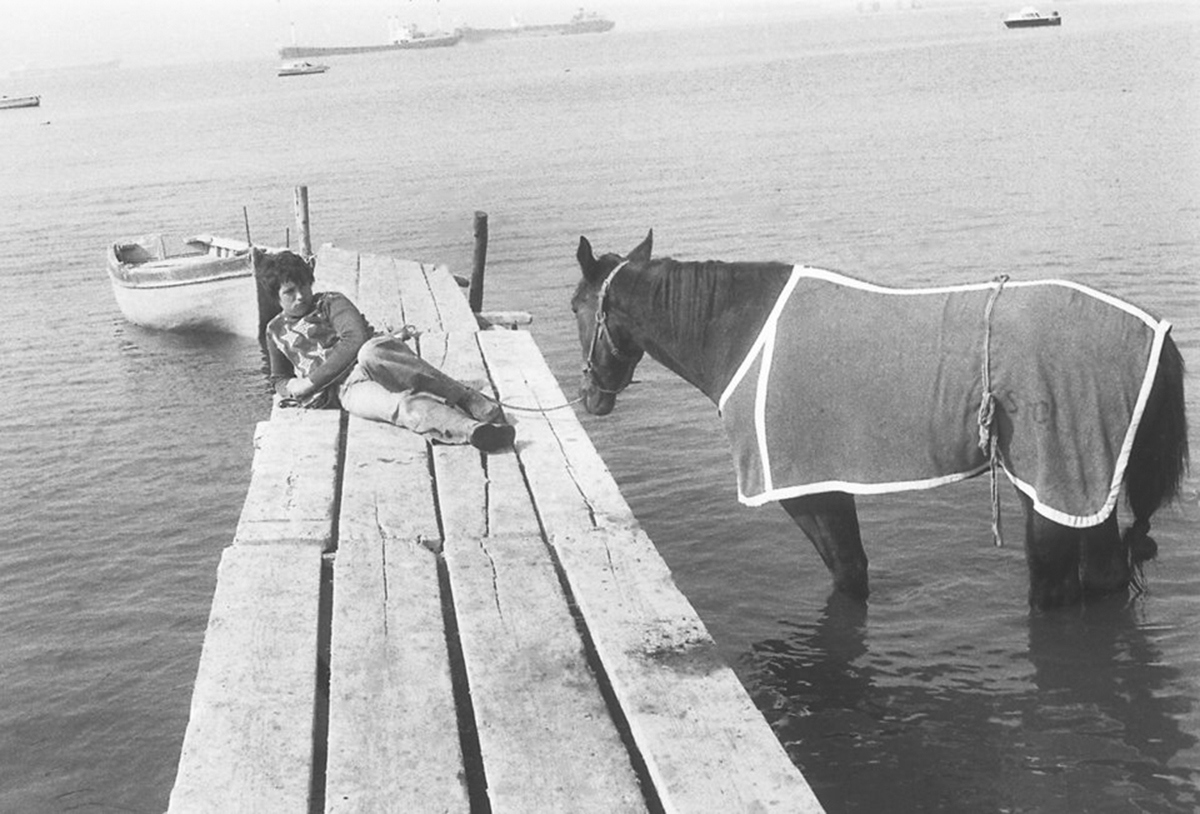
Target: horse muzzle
595, 400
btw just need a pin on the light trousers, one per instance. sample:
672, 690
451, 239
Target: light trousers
392, 384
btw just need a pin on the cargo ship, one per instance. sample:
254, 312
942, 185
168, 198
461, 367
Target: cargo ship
400, 38
584, 22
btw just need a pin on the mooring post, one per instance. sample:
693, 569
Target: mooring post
302, 234
475, 290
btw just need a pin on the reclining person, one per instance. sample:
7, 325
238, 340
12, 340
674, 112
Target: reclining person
323, 352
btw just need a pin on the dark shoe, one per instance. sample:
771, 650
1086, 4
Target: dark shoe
481, 408
491, 437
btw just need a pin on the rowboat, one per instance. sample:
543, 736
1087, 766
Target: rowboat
7, 102
205, 283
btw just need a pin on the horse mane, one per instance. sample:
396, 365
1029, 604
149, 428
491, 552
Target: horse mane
708, 310
690, 294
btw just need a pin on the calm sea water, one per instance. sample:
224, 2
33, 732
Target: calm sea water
906, 147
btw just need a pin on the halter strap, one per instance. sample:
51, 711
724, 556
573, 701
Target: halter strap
600, 315
602, 328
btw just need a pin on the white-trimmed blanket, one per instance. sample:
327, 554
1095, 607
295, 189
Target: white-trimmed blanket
864, 389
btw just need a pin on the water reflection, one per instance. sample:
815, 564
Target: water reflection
1106, 713
1078, 714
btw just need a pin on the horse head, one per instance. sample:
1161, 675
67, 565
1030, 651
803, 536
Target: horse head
610, 353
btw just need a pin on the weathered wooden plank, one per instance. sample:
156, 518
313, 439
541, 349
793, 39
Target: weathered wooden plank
249, 740
337, 270
510, 511
420, 310
393, 732
545, 735
456, 355
379, 293
547, 741
292, 480
454, 311
462, 491
705, 745
571, 494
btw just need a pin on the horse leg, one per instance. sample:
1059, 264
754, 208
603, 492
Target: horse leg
1105, 559
1052, 553
830, 520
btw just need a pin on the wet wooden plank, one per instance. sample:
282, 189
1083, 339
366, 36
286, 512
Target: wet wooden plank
249, 740
293, 480
393, 731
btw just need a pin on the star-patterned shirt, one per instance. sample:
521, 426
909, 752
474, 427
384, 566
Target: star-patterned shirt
321, 346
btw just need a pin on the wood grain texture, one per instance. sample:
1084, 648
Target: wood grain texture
249, 740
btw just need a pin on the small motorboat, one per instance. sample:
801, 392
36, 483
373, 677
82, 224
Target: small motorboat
301, 68
205, 283
8, 102
1030, 17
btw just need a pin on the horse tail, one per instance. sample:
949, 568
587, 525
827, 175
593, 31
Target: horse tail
1159, 458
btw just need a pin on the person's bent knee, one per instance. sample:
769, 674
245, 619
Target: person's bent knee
369, 351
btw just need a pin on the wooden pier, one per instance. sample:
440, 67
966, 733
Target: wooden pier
400, 627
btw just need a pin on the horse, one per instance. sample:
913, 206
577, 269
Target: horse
1076, 396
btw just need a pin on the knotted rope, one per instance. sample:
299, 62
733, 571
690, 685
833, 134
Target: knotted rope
989, 437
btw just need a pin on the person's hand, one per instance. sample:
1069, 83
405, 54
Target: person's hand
299, 388
408, 332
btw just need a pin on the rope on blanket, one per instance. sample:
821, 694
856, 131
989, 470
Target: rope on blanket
988, 436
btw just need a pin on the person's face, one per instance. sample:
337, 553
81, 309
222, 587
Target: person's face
296, 299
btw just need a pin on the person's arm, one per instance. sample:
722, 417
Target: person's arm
282, 370
352, 331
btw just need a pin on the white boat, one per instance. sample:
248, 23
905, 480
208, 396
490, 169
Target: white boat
9, 102
1029, 17
203, 284
301, 68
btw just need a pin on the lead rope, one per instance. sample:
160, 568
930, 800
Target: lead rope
989, 438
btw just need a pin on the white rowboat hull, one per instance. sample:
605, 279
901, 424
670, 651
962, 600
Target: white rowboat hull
208, 286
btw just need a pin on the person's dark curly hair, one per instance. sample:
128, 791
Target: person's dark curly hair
273, 269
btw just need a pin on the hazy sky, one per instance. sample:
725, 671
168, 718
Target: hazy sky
56, 33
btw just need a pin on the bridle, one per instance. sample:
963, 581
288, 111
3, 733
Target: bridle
601, 333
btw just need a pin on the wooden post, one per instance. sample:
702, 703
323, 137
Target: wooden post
475, 290
303, 237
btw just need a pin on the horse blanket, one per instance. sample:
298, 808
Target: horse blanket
859, 388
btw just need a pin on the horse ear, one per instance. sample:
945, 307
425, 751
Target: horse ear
642, 253
587, 260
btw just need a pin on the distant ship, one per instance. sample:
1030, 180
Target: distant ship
11, 102
1030, 17
401, 38
584, 22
